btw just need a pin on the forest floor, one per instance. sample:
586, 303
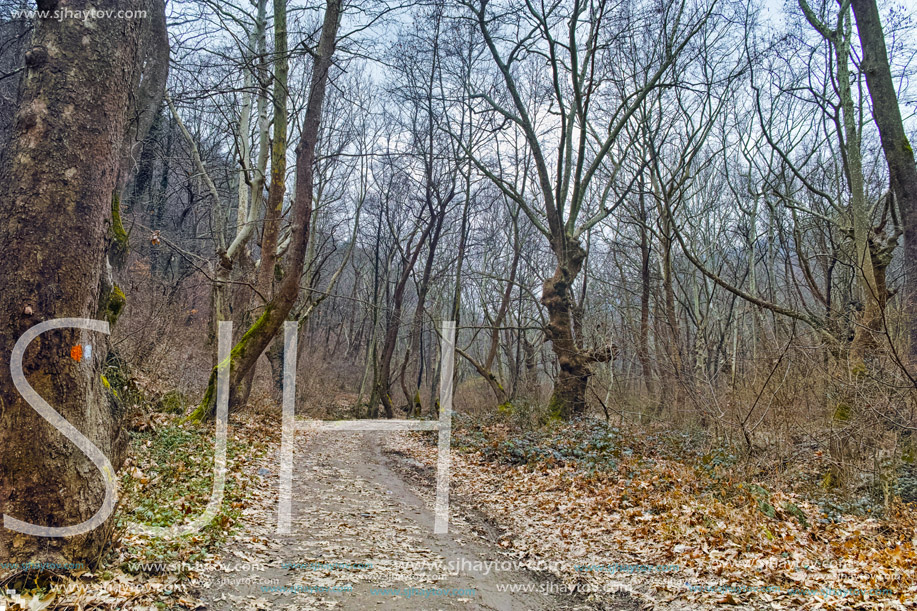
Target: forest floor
362, 538
576, 516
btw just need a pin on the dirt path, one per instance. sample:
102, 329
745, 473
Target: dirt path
362, 538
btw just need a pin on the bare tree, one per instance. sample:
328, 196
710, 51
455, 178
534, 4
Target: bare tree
898, 152
577, 161
249, 348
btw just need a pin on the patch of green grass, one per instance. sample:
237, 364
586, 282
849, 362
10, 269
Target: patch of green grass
172, 402
176, 462
797, 513
591, 445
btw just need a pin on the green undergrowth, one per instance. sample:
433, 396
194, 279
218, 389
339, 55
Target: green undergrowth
169, 480
648, 467
588, 445
592, 447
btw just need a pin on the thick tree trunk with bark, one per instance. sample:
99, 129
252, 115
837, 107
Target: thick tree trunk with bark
56, 192
569, 396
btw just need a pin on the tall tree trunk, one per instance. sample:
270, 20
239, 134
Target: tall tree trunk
569, 396
867, 250
643, 343
56, 189
267, 269
871, 294
416, 336
372, 346
383, 381
274, 356
249, 348
898, 152
272, 214
673, 329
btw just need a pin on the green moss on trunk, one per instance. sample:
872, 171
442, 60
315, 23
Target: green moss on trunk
120, 244
557, 408
207, 407
116, 302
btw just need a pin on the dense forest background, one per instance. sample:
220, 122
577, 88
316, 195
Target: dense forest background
685, 216
731, 254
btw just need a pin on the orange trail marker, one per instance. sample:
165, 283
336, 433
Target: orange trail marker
76, 353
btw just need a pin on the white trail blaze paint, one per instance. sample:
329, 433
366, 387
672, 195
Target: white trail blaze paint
443, 425
69, 431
